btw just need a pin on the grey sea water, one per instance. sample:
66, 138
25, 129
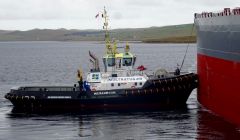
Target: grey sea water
56, 63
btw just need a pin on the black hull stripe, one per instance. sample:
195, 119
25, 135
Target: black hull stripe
220, 54
225, 45
217, 40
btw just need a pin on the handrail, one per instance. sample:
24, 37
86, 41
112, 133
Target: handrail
225, 12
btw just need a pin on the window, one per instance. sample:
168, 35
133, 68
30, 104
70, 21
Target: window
119, 63
118, 84
135, 83
112, 84
127, 61
111, 62
95, 76
140, 83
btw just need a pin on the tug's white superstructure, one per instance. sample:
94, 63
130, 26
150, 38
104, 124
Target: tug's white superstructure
119, 71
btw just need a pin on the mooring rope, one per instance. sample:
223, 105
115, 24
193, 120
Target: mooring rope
187, 47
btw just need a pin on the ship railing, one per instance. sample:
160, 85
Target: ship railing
123, 73
135, 73
225, 12
49, 89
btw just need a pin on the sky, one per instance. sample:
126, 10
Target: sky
80, 14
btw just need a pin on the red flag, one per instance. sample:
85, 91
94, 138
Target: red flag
97, 15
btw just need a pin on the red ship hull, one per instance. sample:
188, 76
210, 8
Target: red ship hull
219, 88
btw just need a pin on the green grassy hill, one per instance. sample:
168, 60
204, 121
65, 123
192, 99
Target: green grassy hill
152, 34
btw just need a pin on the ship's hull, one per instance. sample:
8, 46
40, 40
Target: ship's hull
158, 93
218, 42
116, 103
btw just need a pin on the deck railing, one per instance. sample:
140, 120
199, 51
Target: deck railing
49, 88
225, 12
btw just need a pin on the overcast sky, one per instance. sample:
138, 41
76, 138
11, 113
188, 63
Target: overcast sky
80, 14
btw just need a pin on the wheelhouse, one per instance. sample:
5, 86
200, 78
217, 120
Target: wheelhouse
119, 61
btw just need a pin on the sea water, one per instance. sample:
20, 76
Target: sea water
56, 63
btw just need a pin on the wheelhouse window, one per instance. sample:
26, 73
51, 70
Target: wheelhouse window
127, 61
111, 62
95, 76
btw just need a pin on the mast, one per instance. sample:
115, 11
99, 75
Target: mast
105, 27
111, 49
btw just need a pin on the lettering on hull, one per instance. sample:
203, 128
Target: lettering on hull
59, 97
105, 93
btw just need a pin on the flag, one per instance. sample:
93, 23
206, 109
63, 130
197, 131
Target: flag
97, 15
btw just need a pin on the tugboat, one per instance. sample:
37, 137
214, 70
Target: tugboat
118, 86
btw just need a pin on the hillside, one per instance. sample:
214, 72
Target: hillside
131, 34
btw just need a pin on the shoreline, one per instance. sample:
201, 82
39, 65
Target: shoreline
102, 42
177, 39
